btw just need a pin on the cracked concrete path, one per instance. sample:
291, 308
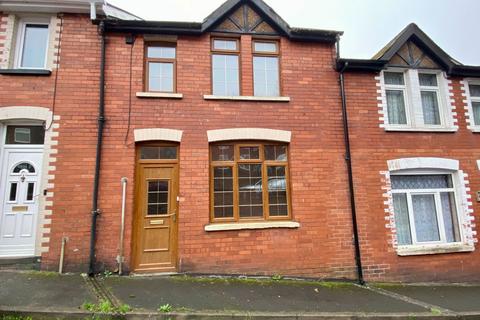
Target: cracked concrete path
49, 295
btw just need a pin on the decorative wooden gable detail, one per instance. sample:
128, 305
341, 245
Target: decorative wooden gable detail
410, 55
245, 20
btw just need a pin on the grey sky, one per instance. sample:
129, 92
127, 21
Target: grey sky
368, 24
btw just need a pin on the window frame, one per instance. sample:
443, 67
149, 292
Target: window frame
471, 99
147, 60
139, 160
276, 54
237, 53
413, 102
406, 97
264, 165
455, 189
20, 41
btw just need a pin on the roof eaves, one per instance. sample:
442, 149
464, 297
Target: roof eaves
360, 65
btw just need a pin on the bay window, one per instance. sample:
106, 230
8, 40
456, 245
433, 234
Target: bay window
249, 182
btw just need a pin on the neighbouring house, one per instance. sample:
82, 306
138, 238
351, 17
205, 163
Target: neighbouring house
238, 145
414, 120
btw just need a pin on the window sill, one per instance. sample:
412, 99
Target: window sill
26, 72
246, 98
165, 95
251, 225
475, 129
422, 129
433, 249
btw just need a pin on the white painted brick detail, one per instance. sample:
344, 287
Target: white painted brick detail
468, 104
6, 55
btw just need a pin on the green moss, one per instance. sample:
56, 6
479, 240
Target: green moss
106, 307
46, 274
262, 281
387, 285
15, 317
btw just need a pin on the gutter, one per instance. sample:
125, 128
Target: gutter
348, 160
101, 122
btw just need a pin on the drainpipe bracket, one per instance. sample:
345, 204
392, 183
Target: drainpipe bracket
96, 212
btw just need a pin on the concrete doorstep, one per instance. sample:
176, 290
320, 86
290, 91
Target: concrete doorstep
45, 295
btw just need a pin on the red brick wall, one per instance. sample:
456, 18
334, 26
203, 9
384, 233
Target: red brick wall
372, 146
322, 246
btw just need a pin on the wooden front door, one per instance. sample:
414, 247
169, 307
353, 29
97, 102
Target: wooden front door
156, 216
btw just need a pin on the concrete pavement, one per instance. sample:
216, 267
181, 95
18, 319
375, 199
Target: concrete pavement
52, 296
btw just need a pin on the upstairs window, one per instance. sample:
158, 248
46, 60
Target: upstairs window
416, 100
225, 67
160, 68
266, 77
249, 182
474, 105
32, 45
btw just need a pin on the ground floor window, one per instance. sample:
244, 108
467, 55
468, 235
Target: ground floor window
425, 207
249, 181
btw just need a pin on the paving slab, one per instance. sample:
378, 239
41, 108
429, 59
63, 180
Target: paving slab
458, 298
45, 290
187, 293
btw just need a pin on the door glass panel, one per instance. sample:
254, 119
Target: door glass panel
157, 197
30, 188
13, 192
24, 166
162, 153
25, 135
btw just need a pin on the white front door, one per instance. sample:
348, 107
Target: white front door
19, 197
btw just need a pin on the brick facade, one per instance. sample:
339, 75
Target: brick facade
372, 147
321, 247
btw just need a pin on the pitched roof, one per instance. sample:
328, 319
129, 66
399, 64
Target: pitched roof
410, 33
414, 33
218, 16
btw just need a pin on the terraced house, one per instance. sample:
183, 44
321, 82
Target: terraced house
238, 145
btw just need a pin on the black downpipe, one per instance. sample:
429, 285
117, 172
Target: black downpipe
101, 122
348, 159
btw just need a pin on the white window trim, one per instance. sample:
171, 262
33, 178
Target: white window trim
413, 102
410, 166
475, 127
19, 44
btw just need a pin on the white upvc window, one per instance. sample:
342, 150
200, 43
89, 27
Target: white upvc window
416, 100
426, 209
473, 97
32, 43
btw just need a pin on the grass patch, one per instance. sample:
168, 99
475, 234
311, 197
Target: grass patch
276, 279
106, 307
435, 311
165, 308
387, 285
15, 317
46, 274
